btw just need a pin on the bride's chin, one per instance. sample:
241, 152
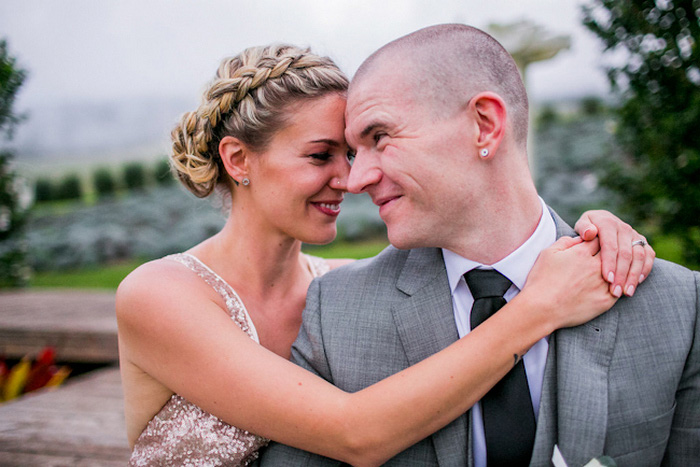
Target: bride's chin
320, 237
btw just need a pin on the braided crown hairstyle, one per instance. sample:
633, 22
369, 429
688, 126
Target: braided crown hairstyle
250, 99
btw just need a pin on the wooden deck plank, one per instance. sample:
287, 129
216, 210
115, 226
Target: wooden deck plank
81, 325
78, 424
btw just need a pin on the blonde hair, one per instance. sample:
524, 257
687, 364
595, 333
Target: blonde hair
249, 99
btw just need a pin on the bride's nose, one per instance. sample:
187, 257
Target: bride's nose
340, 179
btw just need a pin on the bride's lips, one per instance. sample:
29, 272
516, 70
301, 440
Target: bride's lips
329, 207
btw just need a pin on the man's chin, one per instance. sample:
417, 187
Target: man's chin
401, 239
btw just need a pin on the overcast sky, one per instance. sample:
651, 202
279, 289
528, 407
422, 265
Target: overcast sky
106, 50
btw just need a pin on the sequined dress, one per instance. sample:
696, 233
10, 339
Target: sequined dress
182, 434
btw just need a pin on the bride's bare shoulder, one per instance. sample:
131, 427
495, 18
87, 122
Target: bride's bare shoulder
156, 284
160, 272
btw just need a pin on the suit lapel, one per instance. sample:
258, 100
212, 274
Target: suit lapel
583, 357
574, 404
426, 325
546, 434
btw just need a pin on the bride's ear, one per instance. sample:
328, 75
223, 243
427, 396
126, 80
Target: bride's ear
234, 155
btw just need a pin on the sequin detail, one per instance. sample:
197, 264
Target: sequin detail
182, 434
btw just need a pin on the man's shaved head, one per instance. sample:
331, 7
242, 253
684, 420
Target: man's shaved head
448, 64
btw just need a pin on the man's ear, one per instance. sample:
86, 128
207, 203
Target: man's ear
489, 111
234, 155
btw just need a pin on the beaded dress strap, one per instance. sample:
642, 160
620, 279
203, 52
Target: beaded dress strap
234, 304
317, 266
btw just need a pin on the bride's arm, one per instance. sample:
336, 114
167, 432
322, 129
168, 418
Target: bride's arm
205, 358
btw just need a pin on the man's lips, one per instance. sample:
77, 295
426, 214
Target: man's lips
385, 203
385, 199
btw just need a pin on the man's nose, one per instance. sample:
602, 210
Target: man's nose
364, 172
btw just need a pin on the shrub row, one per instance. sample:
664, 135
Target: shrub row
105, 182
149, 224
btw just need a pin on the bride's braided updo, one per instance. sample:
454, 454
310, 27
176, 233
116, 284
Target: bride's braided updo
249, 99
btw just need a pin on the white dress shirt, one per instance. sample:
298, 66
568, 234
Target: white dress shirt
516, 266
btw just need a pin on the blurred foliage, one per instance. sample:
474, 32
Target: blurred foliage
13, 202
592, 106
70, 187
162, 172
656, 169
134, 176
569, 143
104, 183
43, 190
148, 224
547, 116
11, 79
109, 276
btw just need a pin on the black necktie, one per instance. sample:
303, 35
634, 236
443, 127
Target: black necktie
509, 420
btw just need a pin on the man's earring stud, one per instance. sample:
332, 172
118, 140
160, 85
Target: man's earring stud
484, 152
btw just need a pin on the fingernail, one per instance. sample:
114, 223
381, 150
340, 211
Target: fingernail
630, 290
641, 277
617, 292
585, 232
611, 277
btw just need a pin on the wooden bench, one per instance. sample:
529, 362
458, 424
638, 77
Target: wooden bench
81, 325
82, 422
78, 424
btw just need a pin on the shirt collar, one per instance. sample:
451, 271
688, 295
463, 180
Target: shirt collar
516, 266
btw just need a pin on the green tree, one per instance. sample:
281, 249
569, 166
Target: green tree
44, 190
105, 185
70, 188
134, 176
657, 166
13, 208
162, 172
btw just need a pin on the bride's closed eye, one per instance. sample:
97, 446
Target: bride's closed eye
321, 156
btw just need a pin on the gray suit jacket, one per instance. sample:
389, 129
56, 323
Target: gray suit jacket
626, 384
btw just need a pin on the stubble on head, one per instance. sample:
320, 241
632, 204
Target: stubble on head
444, 66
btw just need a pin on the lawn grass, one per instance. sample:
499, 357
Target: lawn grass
356, 250
109, 276
103, 277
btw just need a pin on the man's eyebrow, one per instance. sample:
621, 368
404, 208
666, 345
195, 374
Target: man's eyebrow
370, 128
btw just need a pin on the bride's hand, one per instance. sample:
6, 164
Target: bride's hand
566, 284
625, 263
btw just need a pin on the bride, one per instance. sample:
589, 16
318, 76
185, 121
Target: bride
205, 336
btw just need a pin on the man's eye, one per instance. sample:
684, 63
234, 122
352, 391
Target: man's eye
321, 156
378, 136
350, 156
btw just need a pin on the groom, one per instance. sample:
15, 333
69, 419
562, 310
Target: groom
439, 122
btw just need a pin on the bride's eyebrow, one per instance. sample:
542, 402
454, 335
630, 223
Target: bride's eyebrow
330, 142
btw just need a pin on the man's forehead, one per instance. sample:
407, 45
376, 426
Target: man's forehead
365, 104
358, 97
379, 86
